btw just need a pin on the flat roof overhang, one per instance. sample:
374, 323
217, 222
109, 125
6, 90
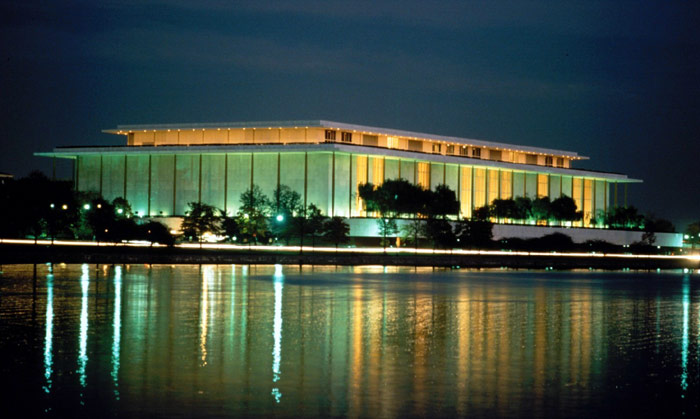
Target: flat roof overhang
124, 129
74, 152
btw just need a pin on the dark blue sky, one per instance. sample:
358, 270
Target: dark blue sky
618, 81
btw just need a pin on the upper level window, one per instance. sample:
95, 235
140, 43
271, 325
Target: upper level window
330, 135
450, 149
531, 159
463, 151
392, 142
548, 161
476, 152
437, 148
560, 162
495, 155
346, 137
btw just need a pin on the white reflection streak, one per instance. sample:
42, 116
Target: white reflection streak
82, 356
277, 332
207, 275
48, 337
684, 341
117, 326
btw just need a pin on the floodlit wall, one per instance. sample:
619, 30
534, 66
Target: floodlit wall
160, 184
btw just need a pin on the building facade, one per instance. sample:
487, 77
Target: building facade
162, 168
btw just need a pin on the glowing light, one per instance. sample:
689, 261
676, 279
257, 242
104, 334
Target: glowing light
82, 353
52, 206
280, 218
48, 336
117, 327
684, 341
277, 332
64, 206
207, 276
86, 206
120, 211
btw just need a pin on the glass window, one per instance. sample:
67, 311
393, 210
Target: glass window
464, 151
330, 135
437, 148
548, 161
476, 152
346, 137
450, 149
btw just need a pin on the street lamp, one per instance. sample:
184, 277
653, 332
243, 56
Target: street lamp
280, 218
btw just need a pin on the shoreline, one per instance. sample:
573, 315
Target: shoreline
41, 253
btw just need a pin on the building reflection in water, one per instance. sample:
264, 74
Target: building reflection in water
48, 335
82, 354
117, 329
357, 343
277, 332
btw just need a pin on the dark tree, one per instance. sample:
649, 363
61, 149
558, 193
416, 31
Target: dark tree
253, 214
474, 233
564, 209
336, 230
201, 218
541, 209
443, 202
440, 232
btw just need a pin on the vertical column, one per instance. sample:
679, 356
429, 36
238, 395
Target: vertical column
226, 177
306, 175
148, 197
350, 187
332, 185
199, 189
174, 183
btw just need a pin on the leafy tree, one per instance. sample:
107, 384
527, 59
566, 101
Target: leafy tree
201, 218
230, 227
658, 225
336, 230
442, 202
387, 228
315, 220
474, 233
541, 209
440, 232
504, 208
285, 202
481, 213
564, 209
156, 232
692, 234
523, 208
253, 214
413, 231
624, 217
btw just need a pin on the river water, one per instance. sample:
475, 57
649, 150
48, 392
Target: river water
187, 340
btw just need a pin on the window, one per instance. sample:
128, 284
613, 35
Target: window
346, 137
330, 135
392, 142
531, 159
437, 148
371, 140
463, 151
450, 149
476, 152
548, 161
415, 145
560, 162
495, 155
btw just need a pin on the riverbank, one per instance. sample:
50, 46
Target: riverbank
42, 253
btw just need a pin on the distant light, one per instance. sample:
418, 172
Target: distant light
99, 205
52, 205
245, 216
120, 211
86, 206
64, 206
280, 218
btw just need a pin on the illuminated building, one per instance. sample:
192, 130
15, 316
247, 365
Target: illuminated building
162, 168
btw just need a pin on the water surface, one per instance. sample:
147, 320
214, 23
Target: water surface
135, 340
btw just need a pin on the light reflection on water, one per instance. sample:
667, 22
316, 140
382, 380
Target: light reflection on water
324, 341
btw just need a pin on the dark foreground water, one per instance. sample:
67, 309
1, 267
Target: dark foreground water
279, 341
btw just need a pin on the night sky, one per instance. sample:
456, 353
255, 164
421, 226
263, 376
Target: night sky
618, 81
